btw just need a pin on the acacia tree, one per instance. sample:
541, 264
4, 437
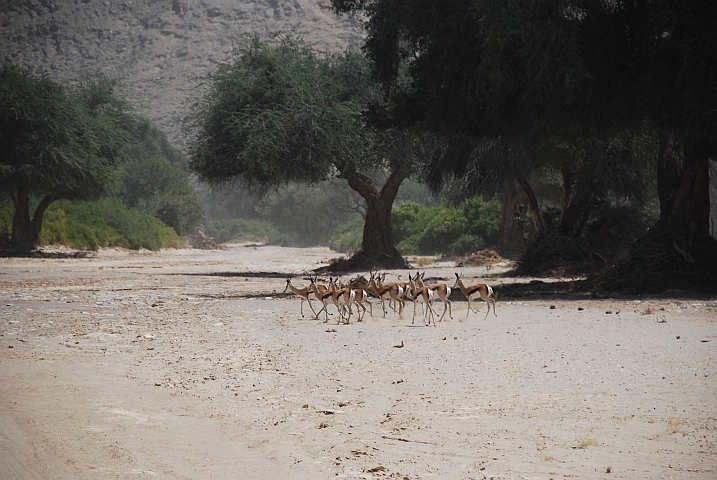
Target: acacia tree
579, 70
57, 143
282, 112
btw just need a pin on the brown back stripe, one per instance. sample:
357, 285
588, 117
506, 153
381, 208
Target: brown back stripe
474, 289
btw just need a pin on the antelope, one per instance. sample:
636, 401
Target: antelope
443, 291
320, 288
473, 291
305, 294
404, 285
323, 296
403, 289
425, 296
361, 297
343, 298
385, 291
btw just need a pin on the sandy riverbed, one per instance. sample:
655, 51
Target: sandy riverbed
190, 364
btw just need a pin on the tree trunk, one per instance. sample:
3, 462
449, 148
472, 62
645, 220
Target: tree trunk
688, 209
669, 166
532, 201
377, 247
678, 251
512, 235
26, 230
576, 207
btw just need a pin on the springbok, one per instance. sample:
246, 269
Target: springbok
442, 290
361, 297
479, 289
323, 296
343, 298
389, 291
423, 295
305, 294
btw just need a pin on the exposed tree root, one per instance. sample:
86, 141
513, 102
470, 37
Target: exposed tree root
360, 261
658, 262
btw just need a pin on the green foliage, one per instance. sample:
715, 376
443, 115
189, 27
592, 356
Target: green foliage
58, 142
138, 230
154, 180
447, 229
279, 112
419, 230
148, 141
347, 237
501, 68
62, 141
239, 229
93, 225
66, 224
161, 189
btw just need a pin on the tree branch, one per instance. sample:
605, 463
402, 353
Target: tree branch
390, 189
363, 185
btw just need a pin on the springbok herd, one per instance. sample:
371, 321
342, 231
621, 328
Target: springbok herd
395, 295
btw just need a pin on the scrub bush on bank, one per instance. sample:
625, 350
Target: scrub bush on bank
93, 225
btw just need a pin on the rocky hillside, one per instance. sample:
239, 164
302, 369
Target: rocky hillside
156, 46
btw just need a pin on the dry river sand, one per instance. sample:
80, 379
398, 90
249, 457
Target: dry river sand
191, 364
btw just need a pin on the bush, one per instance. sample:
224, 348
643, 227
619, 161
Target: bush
181, 212
239, 229
446, 229
347, 237
93, 225
138, 229
73, 225
154, 186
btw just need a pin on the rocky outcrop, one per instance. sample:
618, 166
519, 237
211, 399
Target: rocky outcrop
157, 47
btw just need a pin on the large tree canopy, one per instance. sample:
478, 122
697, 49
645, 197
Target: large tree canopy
491, 67
575, 71
282, 112
57, 143
278, 113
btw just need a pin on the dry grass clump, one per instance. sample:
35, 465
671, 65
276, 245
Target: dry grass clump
204, 242
423, 261
481, 258
674, 425
585, 443
558, 272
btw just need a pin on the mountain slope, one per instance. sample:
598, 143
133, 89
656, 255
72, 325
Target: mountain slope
156, 46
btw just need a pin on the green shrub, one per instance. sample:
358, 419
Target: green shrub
446, 229
83, 229
347, 237
93, 225
239, 229
136, 230
158, 188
